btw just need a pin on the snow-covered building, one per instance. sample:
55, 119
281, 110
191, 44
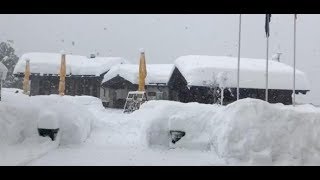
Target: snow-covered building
83, 74
3, 75
198, 78
123, 78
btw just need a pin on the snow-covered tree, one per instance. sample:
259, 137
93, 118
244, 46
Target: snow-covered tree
221, 79
213, 87
9, 59
216, 85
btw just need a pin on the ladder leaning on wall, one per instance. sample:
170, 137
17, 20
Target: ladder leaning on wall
136, 98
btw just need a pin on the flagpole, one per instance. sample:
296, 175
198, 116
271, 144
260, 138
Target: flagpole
239, 45
267, 28
267, 68
294, 61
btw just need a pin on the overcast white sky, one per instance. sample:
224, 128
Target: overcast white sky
165, 37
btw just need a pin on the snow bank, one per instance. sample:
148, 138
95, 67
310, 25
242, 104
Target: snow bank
162, 116
199, 70
21, 114
257, 132
249, 131
156, 73
49, 63
16, 123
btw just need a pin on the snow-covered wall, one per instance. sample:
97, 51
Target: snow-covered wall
49, 63
199, 70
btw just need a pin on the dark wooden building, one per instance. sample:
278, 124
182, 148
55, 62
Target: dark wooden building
188, 80
124, 78
75, 84
84, 75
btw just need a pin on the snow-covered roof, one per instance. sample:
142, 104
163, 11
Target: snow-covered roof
199, 70
156, 73
3, 71
49, 63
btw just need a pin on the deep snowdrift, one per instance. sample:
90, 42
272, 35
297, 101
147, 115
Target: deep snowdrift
20, 115
161, 116
249, 131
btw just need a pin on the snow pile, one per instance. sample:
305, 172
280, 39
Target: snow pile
49, 63
162, 116
21, 114
249, 131
156, 73
16, 123
48, 120
256, 132
199, 70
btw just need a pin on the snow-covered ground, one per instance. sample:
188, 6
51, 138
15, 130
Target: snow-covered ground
247, 132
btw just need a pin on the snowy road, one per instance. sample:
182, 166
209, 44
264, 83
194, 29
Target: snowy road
124, 156
101, 149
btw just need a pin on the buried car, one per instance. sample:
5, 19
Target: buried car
177, 125
48, 124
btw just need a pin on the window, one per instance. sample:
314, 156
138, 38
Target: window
152, 93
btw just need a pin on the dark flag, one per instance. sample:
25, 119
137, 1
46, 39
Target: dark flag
268, 19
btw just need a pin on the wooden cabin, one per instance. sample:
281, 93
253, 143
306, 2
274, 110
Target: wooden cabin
83, 75
124, 78
202, 78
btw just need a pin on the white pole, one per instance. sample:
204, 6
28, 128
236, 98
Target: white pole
238, 70
267, 68
222, 95
294, 61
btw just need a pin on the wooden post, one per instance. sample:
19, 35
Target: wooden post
26, 80
142, 71
62, 82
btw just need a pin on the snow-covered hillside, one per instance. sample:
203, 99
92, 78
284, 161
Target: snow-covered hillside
247, 132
